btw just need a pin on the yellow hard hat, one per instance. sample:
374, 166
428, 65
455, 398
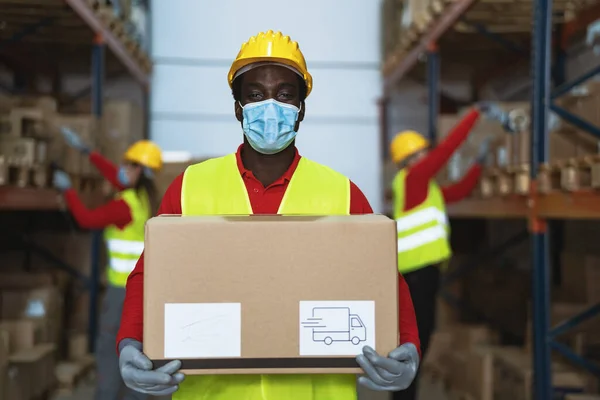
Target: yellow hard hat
407, 143
146, 153
271, 47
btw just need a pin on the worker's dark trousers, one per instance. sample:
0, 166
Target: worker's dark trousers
110, 386
424, 284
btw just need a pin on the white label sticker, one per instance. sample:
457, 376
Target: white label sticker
339, 328
203, 330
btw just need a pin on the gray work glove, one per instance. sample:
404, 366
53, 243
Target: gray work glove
61, 180
483, 151
137, 373
492, 111
73, 140
391, 374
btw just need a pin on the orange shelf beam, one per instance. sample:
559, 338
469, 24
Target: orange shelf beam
563, 205
29, 199
497, 207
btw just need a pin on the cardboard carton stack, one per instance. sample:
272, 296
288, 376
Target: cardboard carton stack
30, 326
30, 137
475, 366
122, 124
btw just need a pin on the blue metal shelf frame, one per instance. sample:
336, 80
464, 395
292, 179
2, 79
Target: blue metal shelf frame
540, 102
98, 64
433, 97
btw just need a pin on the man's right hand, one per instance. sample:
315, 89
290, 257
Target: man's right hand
137, 373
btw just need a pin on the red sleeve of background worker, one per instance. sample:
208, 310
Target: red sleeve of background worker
418, 176
132, 323
115, 212
462, 188
107, 169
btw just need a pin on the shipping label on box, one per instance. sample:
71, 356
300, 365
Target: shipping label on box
307, 300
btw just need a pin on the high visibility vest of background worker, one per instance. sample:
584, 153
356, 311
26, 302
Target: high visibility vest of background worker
123, 220
420, 214
270, 81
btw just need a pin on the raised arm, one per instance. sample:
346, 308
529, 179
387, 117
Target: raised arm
108, 170
461, 189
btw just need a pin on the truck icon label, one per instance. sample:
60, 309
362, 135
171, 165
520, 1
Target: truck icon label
335, 324
335, 327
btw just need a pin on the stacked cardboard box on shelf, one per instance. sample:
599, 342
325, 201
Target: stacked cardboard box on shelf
30, 137
475, 366
30, 317
123, 124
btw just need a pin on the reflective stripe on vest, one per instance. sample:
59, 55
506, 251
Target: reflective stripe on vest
422, 231
215, 187
126, 245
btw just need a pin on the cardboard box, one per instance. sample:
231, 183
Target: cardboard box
23, 151
513, 376
225, 304
31, 372
28, 122
23, 334
17, 280
43, 304
78, 346
122, 125
592, 279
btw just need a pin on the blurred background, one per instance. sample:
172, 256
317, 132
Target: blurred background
119, 71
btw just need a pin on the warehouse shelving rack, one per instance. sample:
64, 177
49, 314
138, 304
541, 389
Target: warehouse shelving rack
56, 28
536, 208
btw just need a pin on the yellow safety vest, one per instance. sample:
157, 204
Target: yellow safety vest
423, 231
126, 245
215, 187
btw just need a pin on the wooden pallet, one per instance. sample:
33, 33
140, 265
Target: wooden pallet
70, 374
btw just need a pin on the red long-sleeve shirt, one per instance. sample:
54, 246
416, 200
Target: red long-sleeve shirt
420, 174
115, 212
264, 200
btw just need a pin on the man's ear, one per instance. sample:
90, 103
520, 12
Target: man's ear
302, 110
238, 111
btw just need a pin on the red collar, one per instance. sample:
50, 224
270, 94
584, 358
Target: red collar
287, 175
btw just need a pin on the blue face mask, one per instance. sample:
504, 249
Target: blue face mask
122, 176
269, 125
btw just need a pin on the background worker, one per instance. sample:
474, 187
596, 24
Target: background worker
123, 220
270, 83
419, 210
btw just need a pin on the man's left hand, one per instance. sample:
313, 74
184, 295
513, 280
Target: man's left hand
391, 374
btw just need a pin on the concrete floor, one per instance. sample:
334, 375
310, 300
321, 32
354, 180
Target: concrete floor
430, 391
